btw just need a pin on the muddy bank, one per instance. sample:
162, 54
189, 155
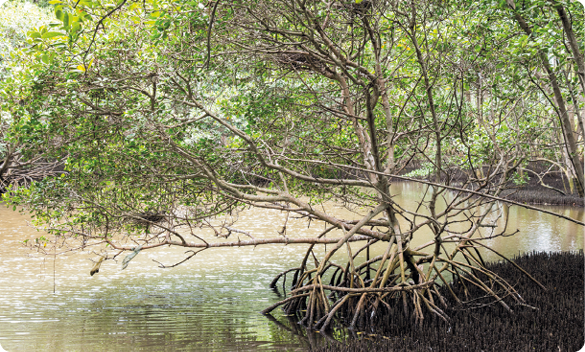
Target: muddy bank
535, 193
556, 325
543, 187
540, 185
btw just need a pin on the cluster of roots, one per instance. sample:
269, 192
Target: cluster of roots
557, 325
399, 282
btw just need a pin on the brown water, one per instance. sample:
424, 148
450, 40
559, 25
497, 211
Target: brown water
210, 303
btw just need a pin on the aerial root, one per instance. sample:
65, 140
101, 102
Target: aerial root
397, 282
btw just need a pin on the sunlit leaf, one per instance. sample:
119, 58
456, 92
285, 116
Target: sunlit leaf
66, 20
49, 35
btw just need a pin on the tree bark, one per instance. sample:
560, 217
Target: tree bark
561, 109
577, 56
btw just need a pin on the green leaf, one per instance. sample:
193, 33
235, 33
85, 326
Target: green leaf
66, 20
49, 35
33, 34
75, 27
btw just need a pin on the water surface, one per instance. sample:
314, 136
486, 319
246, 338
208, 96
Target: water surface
210, 303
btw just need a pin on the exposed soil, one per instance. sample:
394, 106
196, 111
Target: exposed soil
532, 192
556, 325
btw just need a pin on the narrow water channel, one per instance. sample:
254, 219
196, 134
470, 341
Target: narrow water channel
210, 303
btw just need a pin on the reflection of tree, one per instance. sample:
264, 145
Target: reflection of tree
309, 337
163, 324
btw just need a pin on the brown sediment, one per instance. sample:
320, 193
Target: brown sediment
557, 323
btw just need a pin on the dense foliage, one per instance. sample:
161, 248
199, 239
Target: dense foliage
163, 115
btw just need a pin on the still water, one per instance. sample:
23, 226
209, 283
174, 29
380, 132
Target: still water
210, 303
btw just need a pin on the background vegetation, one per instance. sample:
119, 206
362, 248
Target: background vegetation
132, 125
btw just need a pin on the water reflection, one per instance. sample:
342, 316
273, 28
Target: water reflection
210, 303
536, 231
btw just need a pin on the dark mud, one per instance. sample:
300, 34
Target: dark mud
540, 185
534, 193
543, 187
556, 325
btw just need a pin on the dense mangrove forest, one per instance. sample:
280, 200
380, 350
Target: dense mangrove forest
378, 174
